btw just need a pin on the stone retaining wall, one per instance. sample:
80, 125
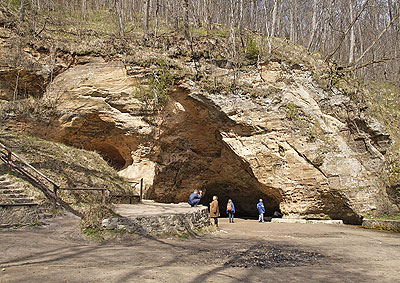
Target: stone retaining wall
389, 225
18, 215
162, 224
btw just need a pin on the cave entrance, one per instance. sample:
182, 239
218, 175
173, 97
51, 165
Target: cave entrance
244, 198
110, 154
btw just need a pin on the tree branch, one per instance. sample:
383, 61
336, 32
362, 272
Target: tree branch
353, 68
377, 39
346, 32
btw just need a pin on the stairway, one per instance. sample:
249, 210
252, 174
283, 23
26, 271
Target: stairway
16, 208
12, 195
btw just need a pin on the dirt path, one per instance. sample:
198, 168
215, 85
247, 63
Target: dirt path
246, 251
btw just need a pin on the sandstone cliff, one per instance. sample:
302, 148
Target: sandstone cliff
268, 131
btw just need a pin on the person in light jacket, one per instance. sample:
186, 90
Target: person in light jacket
261, 210
214, 210
230, 210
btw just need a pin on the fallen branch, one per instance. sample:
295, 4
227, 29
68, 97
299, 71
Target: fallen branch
353, 68
42, 29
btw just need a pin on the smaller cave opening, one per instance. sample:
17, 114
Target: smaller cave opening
245, 199
110, 154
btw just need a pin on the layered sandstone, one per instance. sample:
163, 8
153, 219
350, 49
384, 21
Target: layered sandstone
308, 152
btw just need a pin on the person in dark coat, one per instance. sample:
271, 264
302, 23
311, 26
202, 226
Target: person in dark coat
261, 210
230, 210
214, 210
195, 198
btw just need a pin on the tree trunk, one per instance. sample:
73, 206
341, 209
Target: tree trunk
83, 8
209, 15
22, 11
232, 31
240, 17
313, 24
293, 8
146, 19
157, 10
352, 33
119, 14
267, 28
274, 18
186, 20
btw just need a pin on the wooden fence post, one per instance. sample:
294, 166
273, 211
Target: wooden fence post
141, 190
103, 196
9, 156
55, 188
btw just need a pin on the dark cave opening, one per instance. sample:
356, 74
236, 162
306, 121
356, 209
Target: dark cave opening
245, 199
110, 154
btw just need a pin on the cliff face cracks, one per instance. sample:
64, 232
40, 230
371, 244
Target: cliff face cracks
305, 151
193, 155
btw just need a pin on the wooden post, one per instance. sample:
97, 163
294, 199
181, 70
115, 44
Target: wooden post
103, 196
141, 190
9, 156
55, 196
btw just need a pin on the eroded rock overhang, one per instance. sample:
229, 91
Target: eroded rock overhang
295, 147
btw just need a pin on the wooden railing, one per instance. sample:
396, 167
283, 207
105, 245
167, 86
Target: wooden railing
6, 155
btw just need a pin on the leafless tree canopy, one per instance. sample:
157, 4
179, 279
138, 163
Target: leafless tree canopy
355, 33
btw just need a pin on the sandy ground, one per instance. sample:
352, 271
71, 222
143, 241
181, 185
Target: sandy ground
245, 251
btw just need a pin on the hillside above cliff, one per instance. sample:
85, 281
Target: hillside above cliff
285, 126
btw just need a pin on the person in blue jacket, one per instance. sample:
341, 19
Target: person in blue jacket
195, 198
261, 210
230, 210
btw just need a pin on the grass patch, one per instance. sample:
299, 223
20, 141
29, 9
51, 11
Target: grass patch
385, 217
68, 167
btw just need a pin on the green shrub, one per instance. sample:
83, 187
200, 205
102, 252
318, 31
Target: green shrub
292, 111
160, 83
251, 50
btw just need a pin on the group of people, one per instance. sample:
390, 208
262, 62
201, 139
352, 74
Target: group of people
195, 197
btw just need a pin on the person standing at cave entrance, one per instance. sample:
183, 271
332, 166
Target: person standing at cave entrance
230, 210
195, 198
214, 210
261, 211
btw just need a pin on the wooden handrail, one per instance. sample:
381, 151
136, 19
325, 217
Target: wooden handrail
27, 164
103, 195
6, 158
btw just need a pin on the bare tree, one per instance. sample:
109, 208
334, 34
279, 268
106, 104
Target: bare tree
22, 11
352, 33
83, 8
274, 17
157, 10
119, 14
313, 24
186, 20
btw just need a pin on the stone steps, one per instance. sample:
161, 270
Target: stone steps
11, 191
20, 200
11, 194
17, 208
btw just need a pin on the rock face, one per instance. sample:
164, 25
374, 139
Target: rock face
100, 112
299, 148
308, 152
